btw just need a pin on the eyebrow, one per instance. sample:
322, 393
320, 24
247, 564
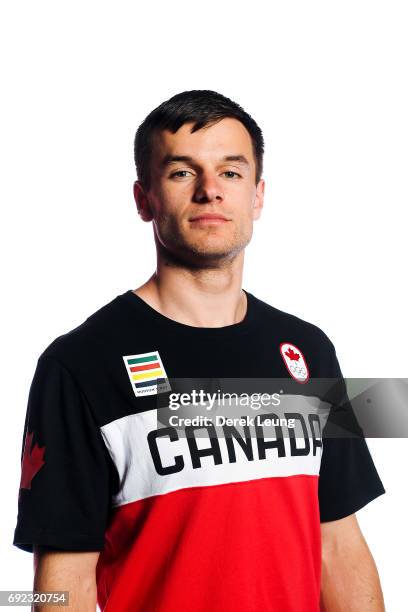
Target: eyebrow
170, 159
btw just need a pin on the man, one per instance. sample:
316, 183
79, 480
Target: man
137, 516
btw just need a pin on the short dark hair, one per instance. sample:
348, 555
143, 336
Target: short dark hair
200, 107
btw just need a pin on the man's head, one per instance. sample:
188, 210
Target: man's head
199, 153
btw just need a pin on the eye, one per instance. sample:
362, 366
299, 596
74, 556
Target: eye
230, 172
179, 173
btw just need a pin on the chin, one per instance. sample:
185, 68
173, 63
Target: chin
213, 252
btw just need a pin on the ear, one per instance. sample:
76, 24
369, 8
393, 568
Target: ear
259, 200
142, 202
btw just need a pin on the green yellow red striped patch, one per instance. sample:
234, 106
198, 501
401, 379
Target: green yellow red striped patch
146, 373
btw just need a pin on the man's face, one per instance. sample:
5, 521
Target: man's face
211, 171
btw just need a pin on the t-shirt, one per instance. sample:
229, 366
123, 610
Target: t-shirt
185, 519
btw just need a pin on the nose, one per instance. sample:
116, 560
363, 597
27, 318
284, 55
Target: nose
207, 189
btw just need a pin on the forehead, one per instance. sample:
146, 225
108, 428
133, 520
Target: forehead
226, 137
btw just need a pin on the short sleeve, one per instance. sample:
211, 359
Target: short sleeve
348, 478
64, 493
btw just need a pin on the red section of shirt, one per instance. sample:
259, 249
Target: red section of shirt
245, 546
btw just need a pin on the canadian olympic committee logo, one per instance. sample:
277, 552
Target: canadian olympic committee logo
295, 362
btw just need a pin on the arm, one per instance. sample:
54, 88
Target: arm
66, 571
349, 578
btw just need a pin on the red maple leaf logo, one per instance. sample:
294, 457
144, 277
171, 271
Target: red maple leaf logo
33, 460
292, 355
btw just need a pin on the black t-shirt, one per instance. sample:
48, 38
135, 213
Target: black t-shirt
184, 521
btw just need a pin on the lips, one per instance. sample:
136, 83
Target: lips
209, 217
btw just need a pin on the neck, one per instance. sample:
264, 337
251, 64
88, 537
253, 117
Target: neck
201, 297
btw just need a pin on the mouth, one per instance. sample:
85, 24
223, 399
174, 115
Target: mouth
209, 219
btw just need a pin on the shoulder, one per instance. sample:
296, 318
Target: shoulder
287, 327
291, 323
86, 339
